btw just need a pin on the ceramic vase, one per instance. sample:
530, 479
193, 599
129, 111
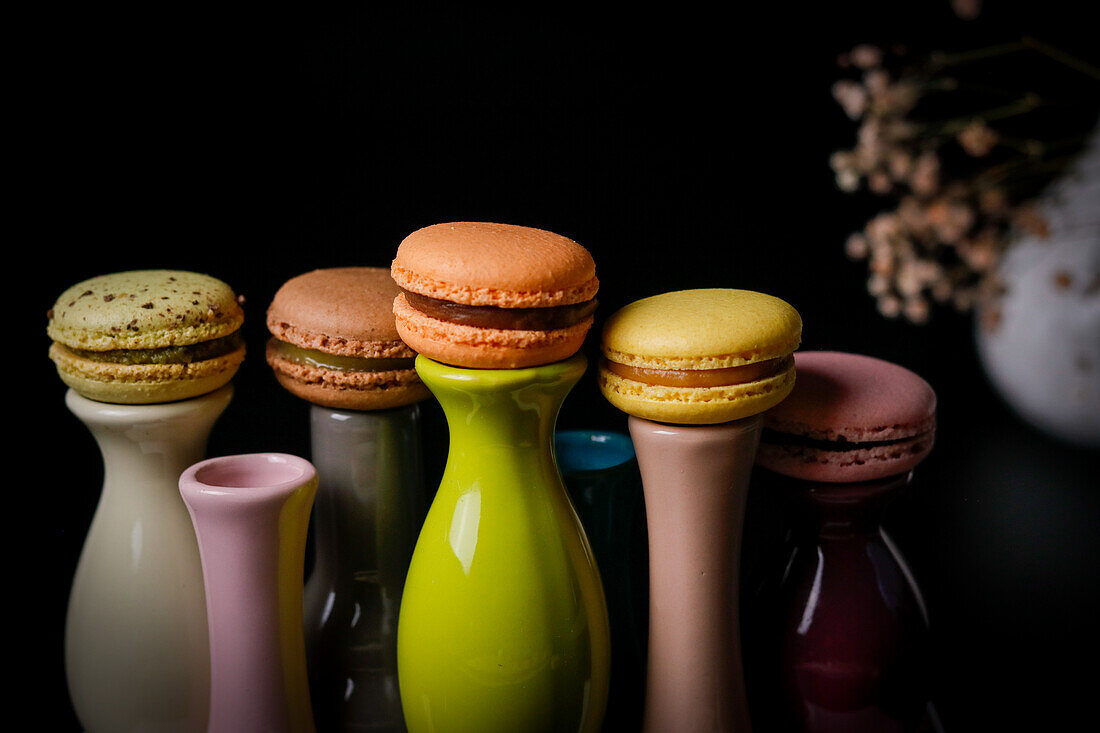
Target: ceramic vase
136, 653
503, 623
1038, 338
251, 515
601, 475
695, 481
369, 508
842, 628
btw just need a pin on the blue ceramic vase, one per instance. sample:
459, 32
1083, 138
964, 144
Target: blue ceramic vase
600, 472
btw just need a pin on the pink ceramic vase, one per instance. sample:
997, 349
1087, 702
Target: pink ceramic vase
695, 480
251, 514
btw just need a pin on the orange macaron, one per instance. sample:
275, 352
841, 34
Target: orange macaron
334, 342
493, 296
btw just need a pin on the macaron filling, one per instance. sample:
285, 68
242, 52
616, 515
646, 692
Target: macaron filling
187, 354
337, 362
841, 444
510, 319
701, 377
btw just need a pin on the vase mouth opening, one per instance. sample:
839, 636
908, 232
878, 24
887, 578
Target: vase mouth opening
257, 472
585, 451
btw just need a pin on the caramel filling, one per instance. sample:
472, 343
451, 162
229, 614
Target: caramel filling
336, 362
701, 377
509, 319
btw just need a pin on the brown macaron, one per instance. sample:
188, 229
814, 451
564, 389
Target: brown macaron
496, 296
334, 342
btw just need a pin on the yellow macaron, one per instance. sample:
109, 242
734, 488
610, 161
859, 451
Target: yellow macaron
700, 357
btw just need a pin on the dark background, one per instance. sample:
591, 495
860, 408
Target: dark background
683, 149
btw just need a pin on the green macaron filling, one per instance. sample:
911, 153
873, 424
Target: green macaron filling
166, 354
337, 362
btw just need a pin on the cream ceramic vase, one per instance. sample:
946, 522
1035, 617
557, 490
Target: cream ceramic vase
136, 650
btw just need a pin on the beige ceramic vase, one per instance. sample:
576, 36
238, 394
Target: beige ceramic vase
695, 479
136, 644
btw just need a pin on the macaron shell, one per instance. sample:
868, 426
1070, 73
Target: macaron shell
345, 311
137, 384
488, 264
861, 464
848, 400
342, 346
701, 329
485, 348
144, 309
855, 397
367, 390
695, 405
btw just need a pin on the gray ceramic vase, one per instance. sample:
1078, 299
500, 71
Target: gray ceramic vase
366, 517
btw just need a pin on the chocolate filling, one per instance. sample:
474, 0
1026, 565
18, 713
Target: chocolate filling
509, 319
841, 444
701, 377
166, 355
337, 362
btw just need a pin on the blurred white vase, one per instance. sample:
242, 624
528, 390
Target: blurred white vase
1040, 342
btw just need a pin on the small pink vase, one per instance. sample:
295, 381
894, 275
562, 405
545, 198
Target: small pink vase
695, 481
251, 515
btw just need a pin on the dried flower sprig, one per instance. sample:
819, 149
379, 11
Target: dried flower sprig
962, 185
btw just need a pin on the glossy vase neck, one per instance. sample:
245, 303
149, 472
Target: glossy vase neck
837, 510
505, 408
151, 443
136, 644
695, 480
371, 491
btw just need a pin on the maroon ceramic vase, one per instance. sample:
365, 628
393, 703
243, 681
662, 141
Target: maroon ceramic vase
840, 637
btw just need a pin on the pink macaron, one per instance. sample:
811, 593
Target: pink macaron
849, 418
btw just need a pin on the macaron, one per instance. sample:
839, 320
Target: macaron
146, 336
699, 357
850, 418
494, 296
334, 342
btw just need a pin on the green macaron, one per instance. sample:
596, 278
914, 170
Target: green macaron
146, 336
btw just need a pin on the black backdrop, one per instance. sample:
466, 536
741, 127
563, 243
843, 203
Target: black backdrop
684, 150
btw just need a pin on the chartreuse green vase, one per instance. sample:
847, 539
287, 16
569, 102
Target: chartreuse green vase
503, 623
